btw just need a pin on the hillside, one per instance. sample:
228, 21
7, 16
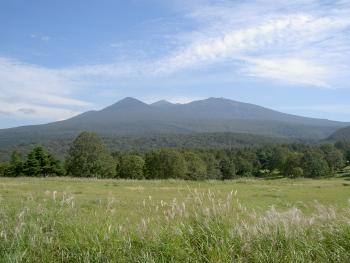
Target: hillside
60, 147
131, 117
342, 134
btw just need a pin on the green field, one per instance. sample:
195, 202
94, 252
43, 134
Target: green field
128, 195
246, 220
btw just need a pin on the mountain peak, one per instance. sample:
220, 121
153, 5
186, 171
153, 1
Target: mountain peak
162, 103
221, 99
130, 116
127, 102
214, 101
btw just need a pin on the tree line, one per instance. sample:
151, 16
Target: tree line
88, 157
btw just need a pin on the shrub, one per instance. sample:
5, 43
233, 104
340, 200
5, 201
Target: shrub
5, 170
88, 157
314, 164
296, 172
131, 166
165, 163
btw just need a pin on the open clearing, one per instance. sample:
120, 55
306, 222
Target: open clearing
128, 195
245, 220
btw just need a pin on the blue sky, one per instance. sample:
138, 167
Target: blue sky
61, 58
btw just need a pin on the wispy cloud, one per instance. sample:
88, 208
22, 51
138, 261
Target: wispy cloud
40, 37
273, 39
302, 42
25, 86
36, 112
291, 70
173, 99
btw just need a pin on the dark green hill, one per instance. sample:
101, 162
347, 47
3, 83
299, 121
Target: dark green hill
59, 147
131, 117
342, 134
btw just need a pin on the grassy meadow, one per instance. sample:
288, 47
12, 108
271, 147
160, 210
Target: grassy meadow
244, 220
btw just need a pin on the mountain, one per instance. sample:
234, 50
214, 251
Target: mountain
131, 117
225, 109
342, 134
222, 140
163, 104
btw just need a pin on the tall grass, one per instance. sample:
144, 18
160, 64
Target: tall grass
203, 228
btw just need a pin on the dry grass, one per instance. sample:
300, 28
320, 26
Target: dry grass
203, 225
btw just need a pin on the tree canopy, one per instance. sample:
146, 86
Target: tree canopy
88, 157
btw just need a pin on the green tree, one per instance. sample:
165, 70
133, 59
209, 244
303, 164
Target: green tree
248, 162
314, 164
212, 164
32, 165
334, 157
41, 163
292, 161
296, 172
88, 157
344, 146
131, 166
43, 160
228, 168
16, 164
55, 167
278, 158
265, 155
196, 169
244, 167
5, 170
165, 163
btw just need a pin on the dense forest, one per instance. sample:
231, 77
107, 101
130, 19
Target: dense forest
60, 147
89, 157
340, 135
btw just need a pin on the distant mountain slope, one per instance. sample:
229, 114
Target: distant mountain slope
225, 109
60, 147
131, 117
342, 134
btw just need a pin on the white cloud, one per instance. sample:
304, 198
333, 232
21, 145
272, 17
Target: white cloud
32, 111
26, 77
183, 99
277, 38
264, 33
303, 42
293, 70
46, 91
45, 38
40, 37
173, 99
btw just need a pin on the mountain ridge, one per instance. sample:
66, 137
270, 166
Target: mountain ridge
343, 134
133, 117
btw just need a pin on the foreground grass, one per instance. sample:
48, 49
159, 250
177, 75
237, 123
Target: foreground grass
72, 220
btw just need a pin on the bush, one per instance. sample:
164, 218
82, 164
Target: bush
16, 164
40, 163
293, 160
88, 157
131, 166
334, 157
165, 163
195, 167
314, 164
5, 170
228, 169
296, 172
